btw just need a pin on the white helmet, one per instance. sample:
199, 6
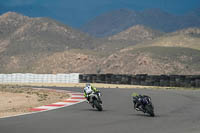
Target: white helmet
87, 84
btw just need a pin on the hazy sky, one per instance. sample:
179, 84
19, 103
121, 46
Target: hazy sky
176, 6
83, 10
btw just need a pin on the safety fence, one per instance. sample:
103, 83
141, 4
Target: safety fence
143, 79
39, 78
140, 79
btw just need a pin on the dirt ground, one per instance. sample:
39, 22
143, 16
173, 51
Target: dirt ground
101, 85
18, 100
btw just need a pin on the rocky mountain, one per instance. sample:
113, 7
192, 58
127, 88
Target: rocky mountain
42, 45
25, 40
153, 60
110, 23
116, 21
137, 59
59, 14
129, 37
136, 33
149, 60
193, 31
20, 34
189, 38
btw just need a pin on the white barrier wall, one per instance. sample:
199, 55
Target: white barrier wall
39, 78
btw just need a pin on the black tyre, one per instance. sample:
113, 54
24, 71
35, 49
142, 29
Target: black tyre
97, 105
149, 110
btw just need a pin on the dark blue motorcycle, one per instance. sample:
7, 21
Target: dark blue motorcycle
144, 104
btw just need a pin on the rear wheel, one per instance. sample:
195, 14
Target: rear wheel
149, 110
97, 105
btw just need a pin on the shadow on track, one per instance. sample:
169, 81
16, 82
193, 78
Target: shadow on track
95, 110
144, 115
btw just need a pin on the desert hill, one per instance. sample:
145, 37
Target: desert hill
42, 45
21, 34
153, 60
189, 38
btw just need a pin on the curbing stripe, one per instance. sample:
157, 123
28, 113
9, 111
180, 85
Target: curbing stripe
37, 109
71, 101
60, 103
66, 102
76, 97
77, 94
44, 107
56, 105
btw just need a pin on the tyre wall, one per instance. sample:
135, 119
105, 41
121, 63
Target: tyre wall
143, 79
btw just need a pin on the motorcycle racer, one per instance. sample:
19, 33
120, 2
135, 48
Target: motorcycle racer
138, 100
88, 90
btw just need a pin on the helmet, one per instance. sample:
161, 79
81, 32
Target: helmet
87, 84
135, 94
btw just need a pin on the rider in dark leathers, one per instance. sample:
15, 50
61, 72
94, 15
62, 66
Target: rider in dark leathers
138, 100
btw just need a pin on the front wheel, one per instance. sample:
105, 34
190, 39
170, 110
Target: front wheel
97, 105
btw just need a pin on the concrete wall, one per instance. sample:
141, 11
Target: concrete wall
39, 78
143, 79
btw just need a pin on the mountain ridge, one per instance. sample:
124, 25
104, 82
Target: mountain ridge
43, 45
104, 25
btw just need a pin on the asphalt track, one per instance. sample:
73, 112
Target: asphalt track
176, 112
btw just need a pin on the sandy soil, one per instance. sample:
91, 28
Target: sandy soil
18, 100
100, 85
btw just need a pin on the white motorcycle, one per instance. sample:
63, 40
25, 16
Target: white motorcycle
95, 100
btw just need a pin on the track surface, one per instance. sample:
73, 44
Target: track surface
177, 112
